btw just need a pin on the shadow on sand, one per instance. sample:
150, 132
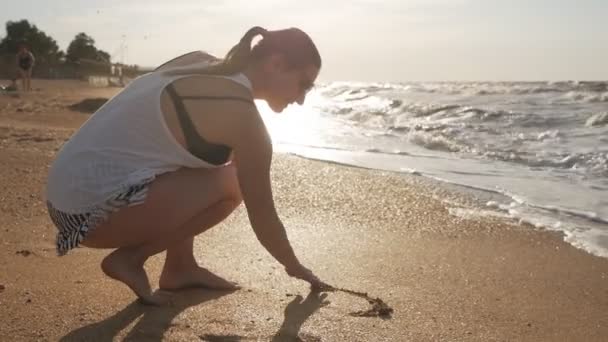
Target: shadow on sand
154, 321
296, 313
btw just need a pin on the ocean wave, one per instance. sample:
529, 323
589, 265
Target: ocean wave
592, 86
453, 139
591, 89
444, 139
516, 90
532, 120
598, 119
551, 134
595, 163
370, 107
582, 97
335, 89
434, 142
395, 152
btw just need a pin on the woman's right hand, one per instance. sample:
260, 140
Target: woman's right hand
303, 273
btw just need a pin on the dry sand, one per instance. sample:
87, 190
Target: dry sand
447, 278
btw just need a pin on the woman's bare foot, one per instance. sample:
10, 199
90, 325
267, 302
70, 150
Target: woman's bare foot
122, 266
193, 276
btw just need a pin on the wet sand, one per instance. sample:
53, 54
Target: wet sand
447, 278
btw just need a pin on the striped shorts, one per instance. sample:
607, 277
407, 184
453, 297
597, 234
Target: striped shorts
74, 227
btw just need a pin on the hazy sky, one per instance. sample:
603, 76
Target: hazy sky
366, 40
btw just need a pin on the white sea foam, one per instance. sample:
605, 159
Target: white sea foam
598, 119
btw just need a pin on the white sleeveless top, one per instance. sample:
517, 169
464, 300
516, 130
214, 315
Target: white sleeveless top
125, 142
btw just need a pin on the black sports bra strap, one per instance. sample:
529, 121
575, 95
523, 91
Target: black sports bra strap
190, 133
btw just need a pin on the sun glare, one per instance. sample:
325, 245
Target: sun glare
296, 124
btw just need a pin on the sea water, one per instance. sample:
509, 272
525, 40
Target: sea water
542, 146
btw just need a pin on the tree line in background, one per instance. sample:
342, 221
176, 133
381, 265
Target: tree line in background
81, 57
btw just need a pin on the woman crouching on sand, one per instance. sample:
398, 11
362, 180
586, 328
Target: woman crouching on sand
173, 154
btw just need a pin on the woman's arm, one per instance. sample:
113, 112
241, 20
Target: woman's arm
253, 155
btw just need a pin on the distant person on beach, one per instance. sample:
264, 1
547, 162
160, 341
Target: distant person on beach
173, 154
25, 63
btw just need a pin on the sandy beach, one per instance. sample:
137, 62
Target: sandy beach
391, 235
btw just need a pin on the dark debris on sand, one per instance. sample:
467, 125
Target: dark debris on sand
24, 252
88, 105
379, 309
221, 338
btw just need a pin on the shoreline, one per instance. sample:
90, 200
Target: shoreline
391, 235
484, 202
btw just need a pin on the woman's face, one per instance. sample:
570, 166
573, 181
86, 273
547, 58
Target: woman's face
285, 85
